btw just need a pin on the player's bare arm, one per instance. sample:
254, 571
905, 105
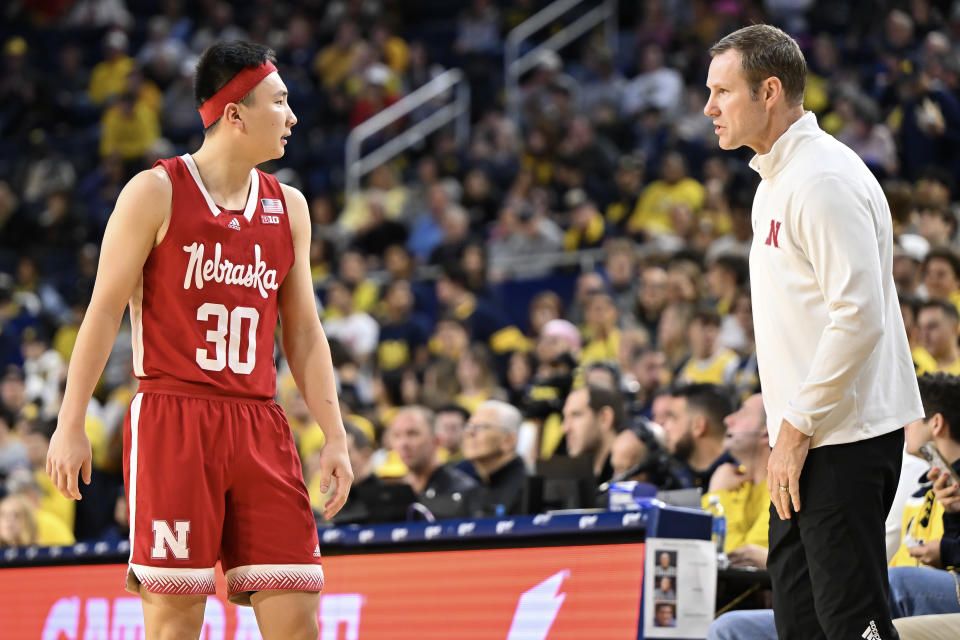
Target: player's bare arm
135, 227
308, 353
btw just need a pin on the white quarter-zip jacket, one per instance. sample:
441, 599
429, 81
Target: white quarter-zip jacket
831, 345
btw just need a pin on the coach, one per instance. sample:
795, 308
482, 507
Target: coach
835, 368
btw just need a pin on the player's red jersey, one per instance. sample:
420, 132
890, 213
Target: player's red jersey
205, 309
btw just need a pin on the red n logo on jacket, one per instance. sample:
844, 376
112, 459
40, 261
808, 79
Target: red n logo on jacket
772, 236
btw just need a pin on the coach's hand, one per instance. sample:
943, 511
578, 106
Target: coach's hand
335, 463
68, 455
784, 467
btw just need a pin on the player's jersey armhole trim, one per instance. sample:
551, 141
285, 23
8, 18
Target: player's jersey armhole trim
287, 225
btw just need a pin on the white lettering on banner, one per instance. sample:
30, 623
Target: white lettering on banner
98, 613
541, 519
337, 609
254, 276
365, 536
630, 518
331, 535
163, 538
587, 521
398, 534
432, 531
127, 619
63, 620
537, 608
504, 526
466, 528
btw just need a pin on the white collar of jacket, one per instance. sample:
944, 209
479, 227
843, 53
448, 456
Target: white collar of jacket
804, 129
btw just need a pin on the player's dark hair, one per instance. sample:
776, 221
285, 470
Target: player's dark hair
221, 62
767, 52
710, 400
940, 393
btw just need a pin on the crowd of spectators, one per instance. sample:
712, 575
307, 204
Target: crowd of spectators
570, 284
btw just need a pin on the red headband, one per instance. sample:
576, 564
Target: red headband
234, 91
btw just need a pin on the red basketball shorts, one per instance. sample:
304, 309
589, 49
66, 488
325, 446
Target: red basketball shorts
211, 478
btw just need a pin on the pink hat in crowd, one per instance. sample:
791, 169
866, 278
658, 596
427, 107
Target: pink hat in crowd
562, 329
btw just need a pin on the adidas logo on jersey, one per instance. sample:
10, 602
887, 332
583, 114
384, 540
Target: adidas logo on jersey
234, 224
316, 552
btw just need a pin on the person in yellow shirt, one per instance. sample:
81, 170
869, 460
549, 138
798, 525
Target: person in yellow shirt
476, 378
129, 128
334, 62
652, 214
709, 362
392, 49
109, 77
600, 329
18, 525
938, 321
742, 486
50, 499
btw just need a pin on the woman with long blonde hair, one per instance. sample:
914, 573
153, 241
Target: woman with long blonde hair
18, 526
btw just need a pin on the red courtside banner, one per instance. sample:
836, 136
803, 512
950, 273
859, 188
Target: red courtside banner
541, 593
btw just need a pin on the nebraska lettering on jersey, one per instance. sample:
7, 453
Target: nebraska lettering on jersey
256, 276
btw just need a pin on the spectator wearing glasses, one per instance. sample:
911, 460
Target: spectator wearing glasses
489, 443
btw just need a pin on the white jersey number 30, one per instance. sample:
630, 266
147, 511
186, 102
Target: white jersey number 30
227, 347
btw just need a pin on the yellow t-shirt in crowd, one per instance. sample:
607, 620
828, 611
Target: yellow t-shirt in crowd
602, 349
716, 370
129, 134
54, 502
109, 79
929, 365
653, 212
51, 531
747, 510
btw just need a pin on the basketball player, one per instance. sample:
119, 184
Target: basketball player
208, 251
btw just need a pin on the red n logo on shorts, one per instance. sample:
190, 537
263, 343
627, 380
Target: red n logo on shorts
772, 236
164, 538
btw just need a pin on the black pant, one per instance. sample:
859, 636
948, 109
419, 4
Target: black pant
828, 563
